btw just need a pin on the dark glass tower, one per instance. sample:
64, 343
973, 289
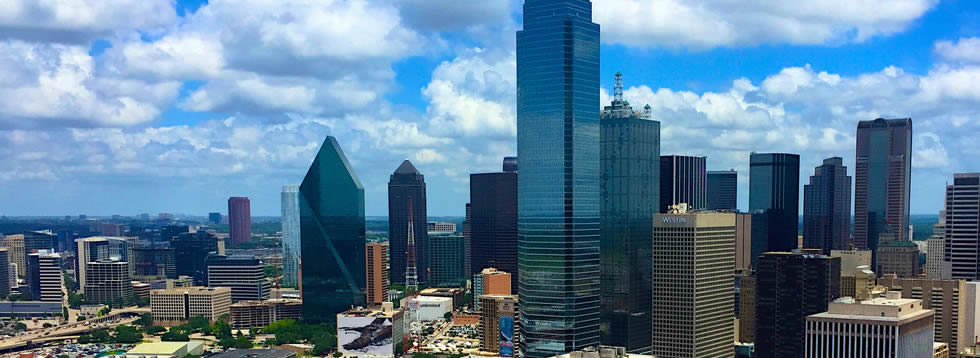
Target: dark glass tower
827, 207
448, 260
331, 209
630, 179
790, 287
962, 229
683, 180
722, 190
406, 193
493, 222
882, 176
774, 189
191, 253
558, 185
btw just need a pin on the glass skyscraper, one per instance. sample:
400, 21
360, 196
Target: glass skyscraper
630, 195
683, 180
722, 190
331, 207
558, 185
882, 177
493, 222
448, 260
406, 199
774, 189
827, 207
290, 235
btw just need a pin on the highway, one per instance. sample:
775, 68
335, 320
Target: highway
125, 316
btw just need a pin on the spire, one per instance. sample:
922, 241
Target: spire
618, 91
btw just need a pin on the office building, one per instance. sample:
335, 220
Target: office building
629, 177
171, 232
898, 257
44, 278
971, 314
239, 220
16, 253
111, 229
602, 351
12, 275
827, 207
936, 266
141, 290
108, 281
290, 236
746, 309
493, 221
558, 185
176, 305
882, 327
774, 189
882, 176
154, 263
257, 314
5, 274
331, 207
947, 298
491, 282
962, 228
468, 239
722, 190
790, 287
497, 322
376, 259
406, 200
855, 271
384, 321
683, 180
214, 218
40, 240
751, 239
693, 285
440, 227
243, 274
447, 260
65, 241
191, 254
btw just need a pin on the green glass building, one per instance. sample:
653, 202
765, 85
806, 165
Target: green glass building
331, 206
447, 260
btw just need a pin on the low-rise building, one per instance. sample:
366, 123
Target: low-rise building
180, 304
497, 327
946, 297
890, 327
256, 353
456, 294
249, 314
166, 350
370, 331
426, 308
245, 276
141, 290
602, 352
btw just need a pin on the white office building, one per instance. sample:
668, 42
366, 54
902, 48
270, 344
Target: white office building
889, 327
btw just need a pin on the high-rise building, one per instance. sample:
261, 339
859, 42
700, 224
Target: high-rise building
406, 199
376, 258
882, 175
493, 221
693, 285
497, 316
827, 207
468, 239
722, 190
790, 287
154, 263
92, 249
751, 239
442, 227
331, 207
558, 185
239, 220
16, 253
629, 177
490, 281
181, 303
746, 309
214, 218
44, 279
5, 274
108, 281
774, 189
65, 241
897, 257
971, 314
290, 236
683, 180
963, 227
855, 271
447, 257
888, 327
243, 274
946, 297
936, 266
40, 240
191, 254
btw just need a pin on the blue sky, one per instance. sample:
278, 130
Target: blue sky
135, 106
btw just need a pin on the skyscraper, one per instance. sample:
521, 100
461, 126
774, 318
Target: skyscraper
774, 189
877, 328
693, 285
936, 266
44, 279
493, 222
243, 274
376, 257
108, 281
629, 179
191, 253
558, 185
683, 180
722, 190
406, 199
214, 218
239, 220
448, 255
882, 177
331, 206
963, 227
290, 235
790, 287
4, 274
827, 207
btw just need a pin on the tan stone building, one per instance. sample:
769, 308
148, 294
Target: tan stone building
494, 307
15, 253
376, 255
249, 314
179, 304
946, 297
882, 327
746, 309
898, 257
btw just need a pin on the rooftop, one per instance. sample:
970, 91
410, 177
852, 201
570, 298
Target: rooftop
158, 348
256, 353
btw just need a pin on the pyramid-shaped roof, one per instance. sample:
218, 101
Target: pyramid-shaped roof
406, 168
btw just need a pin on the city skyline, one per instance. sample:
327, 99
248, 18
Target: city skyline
202, 137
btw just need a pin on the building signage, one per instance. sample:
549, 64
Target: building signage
675, 220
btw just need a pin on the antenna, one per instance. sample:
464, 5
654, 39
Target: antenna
618, 91
411, 270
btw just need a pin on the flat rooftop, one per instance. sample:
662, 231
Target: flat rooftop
256, 353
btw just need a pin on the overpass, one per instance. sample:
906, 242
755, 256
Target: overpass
69, 331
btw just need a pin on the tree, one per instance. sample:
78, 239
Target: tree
104, 311
154, 330
337, 354
269, 342
448, 316
323, 344
145, 320
243, 342
75, 300
199, 324
64, 312
20, 326
221, 329
172, 336
80, 318
128, 334
226, 342
47, 325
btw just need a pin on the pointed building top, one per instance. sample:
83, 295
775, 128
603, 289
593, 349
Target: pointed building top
406, 168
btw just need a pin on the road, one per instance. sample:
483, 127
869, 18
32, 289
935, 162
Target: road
72, 329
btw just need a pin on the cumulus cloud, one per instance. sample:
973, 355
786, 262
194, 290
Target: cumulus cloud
454, 15
474, 95
79, 21
963, 50
703, 24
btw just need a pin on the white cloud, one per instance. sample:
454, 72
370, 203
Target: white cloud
78, 21
454, 15
963, 50
703, 24
474, 95
929, 152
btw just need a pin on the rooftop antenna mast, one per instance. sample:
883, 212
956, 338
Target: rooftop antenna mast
618, 90
411, 270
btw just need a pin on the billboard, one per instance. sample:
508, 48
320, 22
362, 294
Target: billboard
365, 335
506, 336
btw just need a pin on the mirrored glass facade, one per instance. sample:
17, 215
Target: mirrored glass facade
827, 207
290, 235
882, 177
722, 190
331, 206
683, 180
774, 189
558, 184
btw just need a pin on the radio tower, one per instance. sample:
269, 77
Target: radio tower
411, 270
